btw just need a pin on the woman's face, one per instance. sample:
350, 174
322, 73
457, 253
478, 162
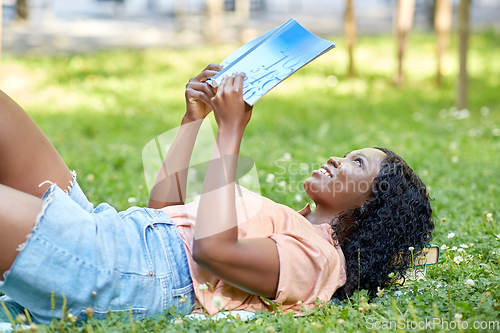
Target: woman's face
345, 182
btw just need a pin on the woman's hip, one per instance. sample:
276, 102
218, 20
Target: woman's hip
129, 261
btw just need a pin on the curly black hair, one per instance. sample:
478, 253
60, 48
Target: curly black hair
375, 238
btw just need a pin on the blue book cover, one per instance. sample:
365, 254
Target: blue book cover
271, 58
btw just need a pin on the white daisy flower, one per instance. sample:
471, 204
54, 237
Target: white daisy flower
469, 283
489, 217
270, 178
451, 235
217, 301
458, 259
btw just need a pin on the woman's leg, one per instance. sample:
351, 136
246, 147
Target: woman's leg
27, 158
18, 214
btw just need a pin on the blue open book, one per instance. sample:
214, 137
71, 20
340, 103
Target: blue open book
271, 58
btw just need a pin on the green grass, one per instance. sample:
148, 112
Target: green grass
100, 110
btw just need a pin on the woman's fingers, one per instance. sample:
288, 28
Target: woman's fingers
210, 71
202, 87
204, 76
238, 81
199, 91
222, 86
229, 85
230, 88
214, 67
198, 95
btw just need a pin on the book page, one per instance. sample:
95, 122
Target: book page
239, 52
285, 51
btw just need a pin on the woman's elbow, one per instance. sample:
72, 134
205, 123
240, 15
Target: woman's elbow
207, 252
197, 254
201, 253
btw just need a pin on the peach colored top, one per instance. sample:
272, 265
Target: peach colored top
311, 266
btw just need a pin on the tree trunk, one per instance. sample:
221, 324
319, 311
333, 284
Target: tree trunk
442, 25
1, 25
242, 9
215, 20
402, 24
350, 31
22, 10
180, 14
463, 38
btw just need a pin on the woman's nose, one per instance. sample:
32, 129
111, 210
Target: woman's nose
334, 161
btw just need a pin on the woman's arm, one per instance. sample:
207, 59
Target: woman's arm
249, 264
170, 184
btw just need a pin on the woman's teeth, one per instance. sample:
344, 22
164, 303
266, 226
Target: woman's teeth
326, 173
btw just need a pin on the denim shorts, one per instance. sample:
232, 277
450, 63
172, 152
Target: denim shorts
131, 261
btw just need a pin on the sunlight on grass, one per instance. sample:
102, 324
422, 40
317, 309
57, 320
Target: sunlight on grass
100, 110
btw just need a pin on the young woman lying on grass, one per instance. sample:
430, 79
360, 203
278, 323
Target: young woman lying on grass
370, 208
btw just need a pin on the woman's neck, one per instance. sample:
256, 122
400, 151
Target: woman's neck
321, 215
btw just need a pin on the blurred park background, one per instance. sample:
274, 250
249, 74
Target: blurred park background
55, 26
422, 77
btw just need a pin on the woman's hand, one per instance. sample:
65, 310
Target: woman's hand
199, 93
231, 111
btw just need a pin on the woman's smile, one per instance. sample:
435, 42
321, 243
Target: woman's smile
325, 170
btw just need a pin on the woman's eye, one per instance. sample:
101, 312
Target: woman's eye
358, 161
